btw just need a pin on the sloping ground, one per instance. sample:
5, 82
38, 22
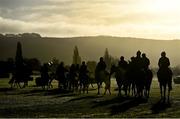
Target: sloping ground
34, 102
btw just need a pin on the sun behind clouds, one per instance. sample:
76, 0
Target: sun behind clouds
159, 19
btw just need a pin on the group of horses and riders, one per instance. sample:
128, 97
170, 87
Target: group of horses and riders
133, 77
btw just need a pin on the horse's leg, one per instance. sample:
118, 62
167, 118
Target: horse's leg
120, 86
43, 87
160, 85
47, 86
169, 89
87, 88
73, 85
49, 83
19, 85
105, 90
133, 89
109, 90
80, 88
164, 93
149, 88
26, 83
98, 84
59, 84
77, 86
168, 95
125, 87
129, 88
92, 85
84, 87
15, 84
12, 83
148, 91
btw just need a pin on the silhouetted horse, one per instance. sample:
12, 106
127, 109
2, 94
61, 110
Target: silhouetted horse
20, 79
140, 77
84, 82
42, 82
103, 76
131, 85
147, 82
20, 82
74, 81
120, 77
165, 78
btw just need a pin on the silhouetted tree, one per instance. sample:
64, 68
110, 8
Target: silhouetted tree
34, 64
22, 72
76, 57
107, 59
19, 57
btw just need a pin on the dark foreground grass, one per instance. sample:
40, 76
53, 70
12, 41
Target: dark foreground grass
34, 102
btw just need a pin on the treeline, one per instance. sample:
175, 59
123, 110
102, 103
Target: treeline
35, 64
8, 66
20, 36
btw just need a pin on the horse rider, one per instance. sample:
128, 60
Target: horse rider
145, 62
164, 64
163, 61
138, 61
123, 64
100, 68
139, 74
101, 65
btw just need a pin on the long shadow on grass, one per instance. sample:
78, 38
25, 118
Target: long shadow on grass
84, 98
160, 106
40, 92
126, 105
120, 104
6, 89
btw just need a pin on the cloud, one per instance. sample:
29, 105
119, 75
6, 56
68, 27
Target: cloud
85, 17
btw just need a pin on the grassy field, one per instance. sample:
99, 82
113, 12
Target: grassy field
34, 102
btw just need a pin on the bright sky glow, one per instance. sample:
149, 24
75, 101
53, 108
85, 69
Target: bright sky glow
159, 19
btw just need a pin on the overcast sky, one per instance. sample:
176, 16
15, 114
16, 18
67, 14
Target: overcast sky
158, 19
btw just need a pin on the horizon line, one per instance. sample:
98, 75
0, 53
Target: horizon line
80, 36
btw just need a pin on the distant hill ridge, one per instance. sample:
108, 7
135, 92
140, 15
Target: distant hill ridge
90, 47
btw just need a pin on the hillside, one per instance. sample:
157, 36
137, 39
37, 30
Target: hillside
90, 48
